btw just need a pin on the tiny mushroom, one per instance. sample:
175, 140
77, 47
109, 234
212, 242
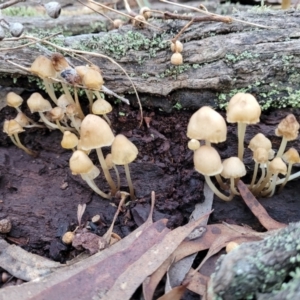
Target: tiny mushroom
14, 100
290, 157
288, 128
243, 109
102, 107
207, 124
81, 164
42, 67
94, 134
233, 168
123, 153
207, 162
12, 128
69, 140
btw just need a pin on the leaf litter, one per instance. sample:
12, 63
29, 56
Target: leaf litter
144, 256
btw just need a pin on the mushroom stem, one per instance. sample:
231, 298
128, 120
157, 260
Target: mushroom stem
50, 90
89, 95
263, 184
271, 189
216, 191
241, 136
47, 122
118, 177
291, 177
74, 123
107, 119
94, 187
80, 112
254, 176
130, 185
282, 147
286, 179
220, 182
106, 171
21, 146
232, 186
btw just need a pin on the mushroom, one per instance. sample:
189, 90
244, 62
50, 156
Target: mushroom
276, 166
14, 100
260, 156
102, 107
243, 109
207, 162
12, 128
123, 152
37, 103
288, 128
193, 144
69, 140
43, 68
81, 164
233, 168
94, 134
206, 124
290, 157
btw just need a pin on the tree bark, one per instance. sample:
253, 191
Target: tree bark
219, 59
260, 267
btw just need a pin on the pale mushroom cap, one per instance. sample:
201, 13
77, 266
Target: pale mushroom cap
288, 128
176, 59
37, 103
42, 67
177, 46
260, 141
59, 62
81, 70
123, 151
57, 113
261, 155
108, 160
63, 101
80, 163
291, 156
69, 140
101, 107
13, 100
207, 124
92, 79
207, 161
95, 133
277, 166
233, 167
22, 119
11, 127
193, 144
243, 108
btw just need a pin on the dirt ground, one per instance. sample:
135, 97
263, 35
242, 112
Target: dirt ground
40, 195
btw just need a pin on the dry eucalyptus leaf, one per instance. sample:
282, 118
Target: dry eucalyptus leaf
175, 294
24, 265
89, 241
257, 209
178, 270
213, 234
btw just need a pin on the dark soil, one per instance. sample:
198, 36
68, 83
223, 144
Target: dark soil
40, 195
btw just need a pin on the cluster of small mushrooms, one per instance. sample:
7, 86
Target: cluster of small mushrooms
80, 133
208, 125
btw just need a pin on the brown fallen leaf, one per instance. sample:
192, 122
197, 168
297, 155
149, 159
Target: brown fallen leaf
89, 241
213, 234
175, 294
257, 209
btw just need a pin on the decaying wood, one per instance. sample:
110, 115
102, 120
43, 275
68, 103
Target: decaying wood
218, 58
258, 267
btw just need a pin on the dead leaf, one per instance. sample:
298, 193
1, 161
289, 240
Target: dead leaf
216, 236
89, 241
257, 209
175, 294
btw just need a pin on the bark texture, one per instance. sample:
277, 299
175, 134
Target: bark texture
219, 59
260, 267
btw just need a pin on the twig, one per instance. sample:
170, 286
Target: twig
10, 3
212, 14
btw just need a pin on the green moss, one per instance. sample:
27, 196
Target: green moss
21, 11
233, 58
117, 45
174, 71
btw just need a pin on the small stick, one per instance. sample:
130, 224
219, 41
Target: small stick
10, 3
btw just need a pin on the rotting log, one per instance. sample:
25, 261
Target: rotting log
219, 60
260, 268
